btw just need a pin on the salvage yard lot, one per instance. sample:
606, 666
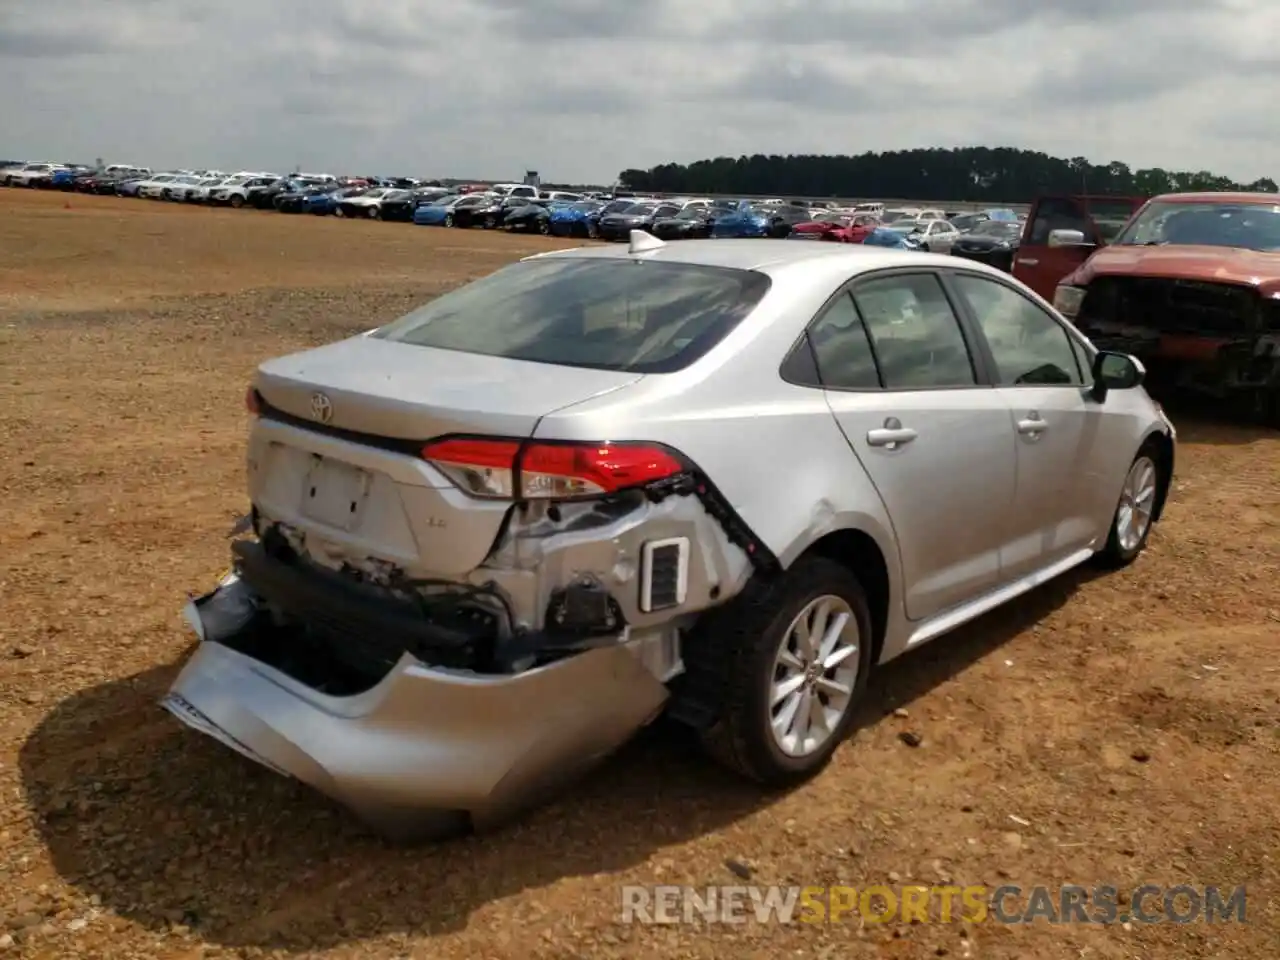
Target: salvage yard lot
1130, 723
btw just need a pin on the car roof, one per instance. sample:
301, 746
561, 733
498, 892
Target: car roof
768, 256
1269, 199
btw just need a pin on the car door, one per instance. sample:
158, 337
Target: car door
1041, 266
1063, 446
916, 407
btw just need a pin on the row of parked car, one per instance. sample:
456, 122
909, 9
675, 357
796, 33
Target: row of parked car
991, 236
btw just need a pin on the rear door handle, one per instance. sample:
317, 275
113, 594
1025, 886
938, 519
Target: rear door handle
1032, 425
890, 437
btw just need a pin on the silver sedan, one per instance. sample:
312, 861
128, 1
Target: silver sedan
492, 539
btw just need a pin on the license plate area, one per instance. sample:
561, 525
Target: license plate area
334, 493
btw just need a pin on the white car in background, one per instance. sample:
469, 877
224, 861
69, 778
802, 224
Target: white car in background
197, 192
154, 187
936, 236
234, 191
22, 176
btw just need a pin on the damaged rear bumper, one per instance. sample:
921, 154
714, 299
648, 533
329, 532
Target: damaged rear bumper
423, 745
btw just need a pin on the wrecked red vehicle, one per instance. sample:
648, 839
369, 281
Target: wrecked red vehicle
838, 228
1190, 284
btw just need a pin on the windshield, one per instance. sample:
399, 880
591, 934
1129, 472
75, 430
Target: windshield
997, 228
1250, 226
640, 209
625, 315
443, 201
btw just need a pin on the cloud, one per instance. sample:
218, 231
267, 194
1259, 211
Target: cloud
580, 89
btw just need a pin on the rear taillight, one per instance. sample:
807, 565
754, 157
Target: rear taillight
253, 401
549, 471
484, 468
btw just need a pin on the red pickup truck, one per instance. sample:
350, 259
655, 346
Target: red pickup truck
1187, 282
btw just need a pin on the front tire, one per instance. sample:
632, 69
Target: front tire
544, 227
794, 654
448, 219
1135, 514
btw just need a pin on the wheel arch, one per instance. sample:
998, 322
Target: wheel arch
1163, 446
860, 553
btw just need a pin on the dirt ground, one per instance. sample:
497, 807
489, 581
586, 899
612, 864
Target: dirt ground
1115, 730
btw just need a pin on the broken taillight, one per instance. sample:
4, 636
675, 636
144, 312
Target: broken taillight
549, 471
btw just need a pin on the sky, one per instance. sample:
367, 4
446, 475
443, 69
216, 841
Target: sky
580, 90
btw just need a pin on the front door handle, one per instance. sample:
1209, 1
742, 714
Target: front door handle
1032, 425
891, 437
1028, 262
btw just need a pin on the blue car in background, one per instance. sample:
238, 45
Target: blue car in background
64, 179
435, 213
575, 219
745, 221
884, 237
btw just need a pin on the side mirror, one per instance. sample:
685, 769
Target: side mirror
1069, 238
1115, 371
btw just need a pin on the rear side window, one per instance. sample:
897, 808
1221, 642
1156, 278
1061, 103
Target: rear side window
915, 334
609, 314
842, 350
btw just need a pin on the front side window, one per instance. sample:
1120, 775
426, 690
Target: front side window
915, 334
1030, 347
1057, 213
625, 315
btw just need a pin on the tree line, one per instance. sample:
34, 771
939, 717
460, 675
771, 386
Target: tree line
970, 174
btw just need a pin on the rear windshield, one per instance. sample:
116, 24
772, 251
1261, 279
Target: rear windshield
627, 315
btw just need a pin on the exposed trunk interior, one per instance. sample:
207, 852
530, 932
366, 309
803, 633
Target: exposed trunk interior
341, 636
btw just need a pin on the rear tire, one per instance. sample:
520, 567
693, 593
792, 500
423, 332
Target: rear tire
544, 227
1134, 517
754, 645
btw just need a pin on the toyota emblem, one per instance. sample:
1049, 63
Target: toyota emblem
321, 408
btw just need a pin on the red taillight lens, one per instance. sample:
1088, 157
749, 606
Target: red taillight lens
485, 468
563, 470
549, 471
253, 401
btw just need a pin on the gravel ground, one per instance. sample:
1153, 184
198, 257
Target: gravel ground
1119, 729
